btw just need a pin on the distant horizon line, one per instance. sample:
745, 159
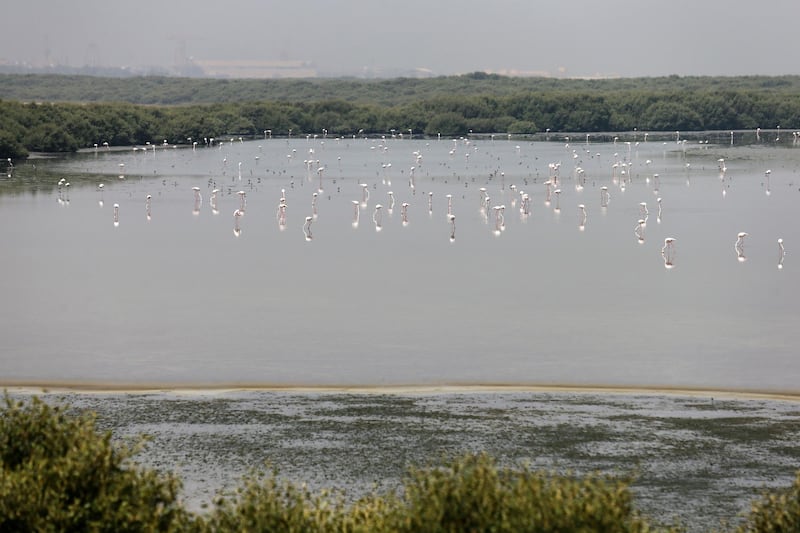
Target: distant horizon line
195, 71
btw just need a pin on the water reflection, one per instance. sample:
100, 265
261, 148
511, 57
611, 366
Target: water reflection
431, 288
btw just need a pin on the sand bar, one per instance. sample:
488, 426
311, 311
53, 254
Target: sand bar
45, 387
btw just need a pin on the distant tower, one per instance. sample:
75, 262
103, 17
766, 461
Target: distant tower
91, 55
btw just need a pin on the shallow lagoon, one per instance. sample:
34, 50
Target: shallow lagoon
547, 297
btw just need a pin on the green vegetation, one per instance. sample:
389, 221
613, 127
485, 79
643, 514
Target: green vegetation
57, 472
64, 113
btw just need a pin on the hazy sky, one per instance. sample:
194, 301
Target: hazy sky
571, 38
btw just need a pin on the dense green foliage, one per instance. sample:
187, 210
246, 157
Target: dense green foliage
383, 92
467, 494
182, 110
57, 472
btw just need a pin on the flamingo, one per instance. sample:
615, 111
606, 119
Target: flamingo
668, 252
281, 214
212, 201
236, 216
525, 208
307, 228
377, 217
581, 217
658, 216
198, 200
320, 170
639, 230
116, 215
499, 219
781, 253
356, 213
314, 204
739, 246
364, 194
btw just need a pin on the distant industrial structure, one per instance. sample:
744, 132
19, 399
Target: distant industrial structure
244, 68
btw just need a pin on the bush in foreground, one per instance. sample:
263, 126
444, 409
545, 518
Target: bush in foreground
776, 512
57, 473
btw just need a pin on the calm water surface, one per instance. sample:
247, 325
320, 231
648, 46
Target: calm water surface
538, 298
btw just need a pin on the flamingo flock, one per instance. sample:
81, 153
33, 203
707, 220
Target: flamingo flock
495, 190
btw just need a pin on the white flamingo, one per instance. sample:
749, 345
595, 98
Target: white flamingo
739, 246
356, 213
639, 230
237, 230
377, 217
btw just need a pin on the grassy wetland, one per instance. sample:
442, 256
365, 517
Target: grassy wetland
698, 460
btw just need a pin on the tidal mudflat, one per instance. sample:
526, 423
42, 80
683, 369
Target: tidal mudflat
697, 458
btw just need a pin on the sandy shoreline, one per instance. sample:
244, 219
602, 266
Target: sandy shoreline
199, 389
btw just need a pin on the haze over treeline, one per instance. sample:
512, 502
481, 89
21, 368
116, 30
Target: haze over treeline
582, 38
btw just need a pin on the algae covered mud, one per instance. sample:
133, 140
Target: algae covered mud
695, 458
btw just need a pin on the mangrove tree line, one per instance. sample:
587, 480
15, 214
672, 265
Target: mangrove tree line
450, 106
